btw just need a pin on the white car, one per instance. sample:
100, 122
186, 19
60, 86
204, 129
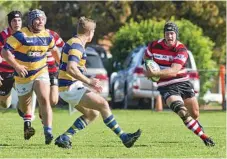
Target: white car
212, 97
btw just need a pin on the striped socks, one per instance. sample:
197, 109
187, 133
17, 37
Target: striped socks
78, 125
27, 117
113, 125
196, 128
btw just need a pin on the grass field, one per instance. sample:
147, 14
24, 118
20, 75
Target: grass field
164, 136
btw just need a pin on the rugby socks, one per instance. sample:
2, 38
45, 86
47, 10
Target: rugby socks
27, 121
113, 125
27, 118
200, 125
196, 128
47, 130
78, 125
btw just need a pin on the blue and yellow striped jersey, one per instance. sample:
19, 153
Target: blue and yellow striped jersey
30, 50
72, 51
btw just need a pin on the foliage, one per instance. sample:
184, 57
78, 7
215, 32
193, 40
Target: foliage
63, 15
163, 136
134, 34
211, 16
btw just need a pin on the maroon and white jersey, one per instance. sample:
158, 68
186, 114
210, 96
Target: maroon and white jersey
165, 56
52, 67
4, 66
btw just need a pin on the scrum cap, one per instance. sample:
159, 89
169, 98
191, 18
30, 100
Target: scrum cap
170, 26
35, 14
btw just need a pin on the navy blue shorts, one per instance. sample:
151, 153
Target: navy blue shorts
7, 83
53, 79
183, 89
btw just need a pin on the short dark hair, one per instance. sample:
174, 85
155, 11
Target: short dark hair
85, 25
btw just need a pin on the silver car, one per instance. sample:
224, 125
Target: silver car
130, 87
95, 68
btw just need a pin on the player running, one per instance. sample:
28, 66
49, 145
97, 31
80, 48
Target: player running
73, 91
174, 85
6, 71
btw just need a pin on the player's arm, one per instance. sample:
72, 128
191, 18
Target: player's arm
75, 55
8, 56
56, 54
11, 44
178, 63
54, 50
72, 69
165, 73
148, 54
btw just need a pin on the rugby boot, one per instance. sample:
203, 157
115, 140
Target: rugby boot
131, 138
63, 141
209, 142
48, 138
28, 130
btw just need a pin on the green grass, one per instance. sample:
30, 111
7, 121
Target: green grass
164, 136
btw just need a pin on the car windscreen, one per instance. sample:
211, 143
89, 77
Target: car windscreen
93, 61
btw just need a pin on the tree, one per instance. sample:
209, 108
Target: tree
63, 15
211, 16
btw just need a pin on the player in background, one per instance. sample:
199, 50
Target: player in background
6, 71
53, 63
174, 85
73, 91
29, 47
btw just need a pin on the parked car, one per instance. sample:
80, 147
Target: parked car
105, 57
96, 69
212, 97
130, 87
193, 73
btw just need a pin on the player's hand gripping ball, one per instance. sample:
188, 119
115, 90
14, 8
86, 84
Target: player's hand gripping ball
154, 67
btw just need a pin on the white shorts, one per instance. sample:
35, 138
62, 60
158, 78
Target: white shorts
23, 89
74, 94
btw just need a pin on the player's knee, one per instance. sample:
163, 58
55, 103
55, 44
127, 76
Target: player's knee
183, 113
176, 105
105, 105
43, 101
179, 108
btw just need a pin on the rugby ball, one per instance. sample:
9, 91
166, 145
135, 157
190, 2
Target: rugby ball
154, 66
